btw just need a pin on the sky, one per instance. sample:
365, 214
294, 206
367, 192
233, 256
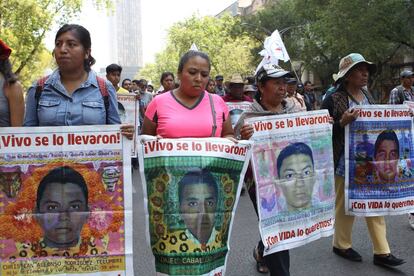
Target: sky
156, 17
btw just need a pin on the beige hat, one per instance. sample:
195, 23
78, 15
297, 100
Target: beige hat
236, 78
348, 62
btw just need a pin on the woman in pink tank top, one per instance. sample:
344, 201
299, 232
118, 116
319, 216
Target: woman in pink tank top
189, 111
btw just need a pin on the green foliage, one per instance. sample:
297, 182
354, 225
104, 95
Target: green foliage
24, 24
229, 51
331, 29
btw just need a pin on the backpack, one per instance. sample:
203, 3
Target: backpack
101, 84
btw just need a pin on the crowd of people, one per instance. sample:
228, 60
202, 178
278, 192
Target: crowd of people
74, 95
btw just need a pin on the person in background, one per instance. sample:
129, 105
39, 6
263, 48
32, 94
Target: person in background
294, 96
250, 91
113, 74
211, 86
332, 89
126, 84
135, 86
167, 81
235, 93
144, 99
11, 91
404, 91
271, 100
309, 96
401, 93
353, 75
220, 89
150, 89
73, 94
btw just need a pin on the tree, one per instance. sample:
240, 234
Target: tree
331, 29
229, 51
24, 24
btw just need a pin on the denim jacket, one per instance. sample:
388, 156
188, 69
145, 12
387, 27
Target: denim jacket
57, 108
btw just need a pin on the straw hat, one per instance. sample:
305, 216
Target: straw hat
348, 62
236, 78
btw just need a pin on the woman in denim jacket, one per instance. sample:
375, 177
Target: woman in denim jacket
73, 94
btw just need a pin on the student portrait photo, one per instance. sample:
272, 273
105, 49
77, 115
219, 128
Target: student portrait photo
198, 197
386, 157
296, 175
62, 207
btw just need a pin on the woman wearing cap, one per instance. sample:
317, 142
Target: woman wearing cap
353, 77
11, 91
270, 100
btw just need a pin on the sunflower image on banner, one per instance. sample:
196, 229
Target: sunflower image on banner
191, 190
65, 211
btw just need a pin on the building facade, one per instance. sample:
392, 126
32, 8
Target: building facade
125, 30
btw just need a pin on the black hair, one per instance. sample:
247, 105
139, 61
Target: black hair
210, 80
143, 82
137, 82
150, 85
124, 80
85, 39
61, 175
166, 74
261, 78
197, 176
251, 80
7, 72
307, 82
190, 54
292, 149
113, 68
386, 135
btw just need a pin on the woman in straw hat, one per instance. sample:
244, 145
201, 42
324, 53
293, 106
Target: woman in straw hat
11, 91
352, 78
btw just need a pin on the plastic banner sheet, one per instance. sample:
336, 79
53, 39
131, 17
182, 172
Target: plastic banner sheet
128, 110
379, 172
191, 190
236, 109
293, 169
65, 201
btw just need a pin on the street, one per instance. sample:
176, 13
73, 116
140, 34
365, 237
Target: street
315, 258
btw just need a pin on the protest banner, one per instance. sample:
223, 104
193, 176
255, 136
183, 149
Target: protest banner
379, 172
292, 164
65, 201
409, 104
128, 110
236, 109
191, 189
